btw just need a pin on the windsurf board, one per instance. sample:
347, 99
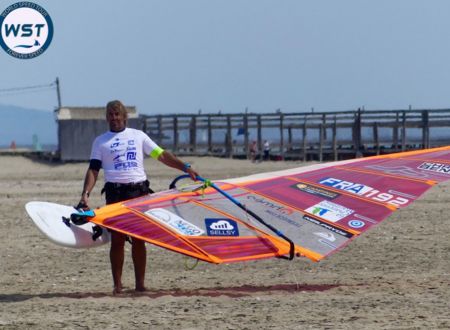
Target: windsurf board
49, 219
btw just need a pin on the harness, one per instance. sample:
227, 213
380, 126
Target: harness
117, 192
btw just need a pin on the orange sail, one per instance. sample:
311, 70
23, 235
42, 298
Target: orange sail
319, 208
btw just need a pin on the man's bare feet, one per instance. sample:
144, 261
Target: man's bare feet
140, 289
117, 290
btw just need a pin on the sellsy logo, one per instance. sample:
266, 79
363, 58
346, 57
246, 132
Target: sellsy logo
26, 30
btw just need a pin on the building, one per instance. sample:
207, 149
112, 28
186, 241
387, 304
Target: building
78, 127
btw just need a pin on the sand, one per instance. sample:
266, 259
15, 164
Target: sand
396, 276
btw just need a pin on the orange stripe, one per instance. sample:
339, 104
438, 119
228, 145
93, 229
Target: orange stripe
429, 160
428, 182
407, 153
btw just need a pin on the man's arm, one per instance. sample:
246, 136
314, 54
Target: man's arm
89, 182
173, 161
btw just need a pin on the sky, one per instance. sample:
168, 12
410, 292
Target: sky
180, 56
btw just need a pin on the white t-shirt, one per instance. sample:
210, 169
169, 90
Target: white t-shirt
122, 154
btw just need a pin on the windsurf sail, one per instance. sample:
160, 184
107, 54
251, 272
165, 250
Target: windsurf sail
319, 208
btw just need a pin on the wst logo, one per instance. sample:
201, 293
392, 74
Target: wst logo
26, 30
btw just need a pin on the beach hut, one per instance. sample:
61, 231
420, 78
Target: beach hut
78, 127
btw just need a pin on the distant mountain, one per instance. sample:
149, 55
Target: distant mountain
20, 124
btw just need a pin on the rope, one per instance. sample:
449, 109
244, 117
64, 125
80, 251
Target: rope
27, 89
186, 266
207, 183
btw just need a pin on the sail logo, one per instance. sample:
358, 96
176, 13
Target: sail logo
329, 211
328, 226
399, 170
221, 227
356, 223
356, 188
26, 30
327, 236
174, 221
279, 208
310, 189
392, 197
326, 239
435, 167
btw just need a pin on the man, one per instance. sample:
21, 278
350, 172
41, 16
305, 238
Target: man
266, 150
120, 152
253, 151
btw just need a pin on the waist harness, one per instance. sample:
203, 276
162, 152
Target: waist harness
117, 192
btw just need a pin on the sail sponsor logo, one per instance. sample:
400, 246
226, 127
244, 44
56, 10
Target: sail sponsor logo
280, 208
356, 223
326, 239
221, 227
328, 226
280, 212
391, 197
317, 191
435, 167
283, 218
398, 170
329, 211
328, 236
175, 222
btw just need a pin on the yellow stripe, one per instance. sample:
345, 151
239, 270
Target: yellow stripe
156, 152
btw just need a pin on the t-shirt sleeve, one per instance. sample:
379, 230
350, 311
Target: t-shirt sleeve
95, 164
95, 151
150, 147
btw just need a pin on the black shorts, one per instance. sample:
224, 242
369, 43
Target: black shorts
118, 192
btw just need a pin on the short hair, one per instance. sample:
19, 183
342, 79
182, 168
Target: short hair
117, 105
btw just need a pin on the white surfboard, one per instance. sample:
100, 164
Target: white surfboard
48, 217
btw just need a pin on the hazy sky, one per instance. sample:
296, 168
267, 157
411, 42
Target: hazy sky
173, 56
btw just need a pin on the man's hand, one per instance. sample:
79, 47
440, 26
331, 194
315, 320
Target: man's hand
192, 173
84, 201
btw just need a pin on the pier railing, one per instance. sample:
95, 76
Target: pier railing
306, 136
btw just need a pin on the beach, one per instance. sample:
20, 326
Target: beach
396, 276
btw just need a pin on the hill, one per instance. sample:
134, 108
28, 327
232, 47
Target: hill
20, 124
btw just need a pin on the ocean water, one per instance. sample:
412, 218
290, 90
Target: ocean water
343, 136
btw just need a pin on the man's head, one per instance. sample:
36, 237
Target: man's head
116, 116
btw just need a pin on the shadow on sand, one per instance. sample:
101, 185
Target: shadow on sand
233, 292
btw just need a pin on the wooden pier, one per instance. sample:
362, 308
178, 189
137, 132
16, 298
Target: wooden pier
305, 136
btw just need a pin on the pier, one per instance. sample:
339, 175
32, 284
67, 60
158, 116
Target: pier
303, 136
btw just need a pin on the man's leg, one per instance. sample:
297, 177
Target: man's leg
116, 255
139, 256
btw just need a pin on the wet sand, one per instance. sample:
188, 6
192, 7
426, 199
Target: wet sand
396, 276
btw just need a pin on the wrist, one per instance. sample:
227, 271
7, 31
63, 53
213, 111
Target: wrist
85, 193
186, 167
